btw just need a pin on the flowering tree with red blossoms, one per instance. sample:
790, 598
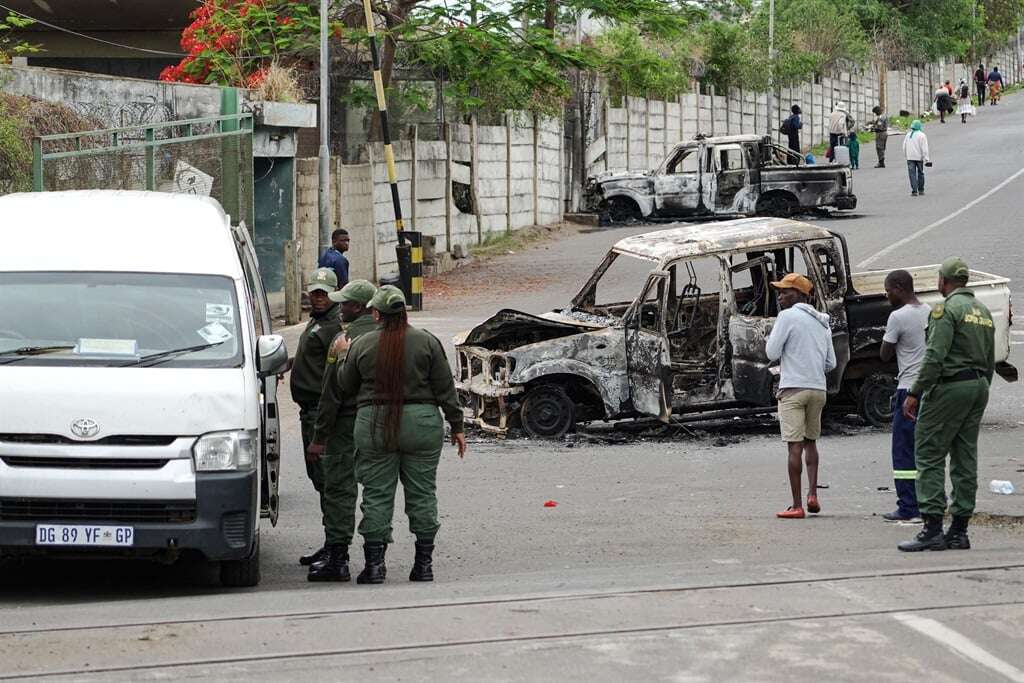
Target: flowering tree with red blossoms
233, 42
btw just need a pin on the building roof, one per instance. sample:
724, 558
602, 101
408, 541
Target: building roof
108, 15
108, 230
687, 240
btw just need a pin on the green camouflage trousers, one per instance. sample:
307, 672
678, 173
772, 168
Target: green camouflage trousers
414, 463
948, 423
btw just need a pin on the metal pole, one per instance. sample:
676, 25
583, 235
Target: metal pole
771, 64
324, 197
409, 254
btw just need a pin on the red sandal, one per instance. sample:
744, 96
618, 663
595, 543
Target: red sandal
791, 513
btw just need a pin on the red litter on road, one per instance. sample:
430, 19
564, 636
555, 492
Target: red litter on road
550, 504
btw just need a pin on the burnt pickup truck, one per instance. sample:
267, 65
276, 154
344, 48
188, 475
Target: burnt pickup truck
693, 339
721, 176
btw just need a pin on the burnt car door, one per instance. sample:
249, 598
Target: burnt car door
832, 287
731, 177
648, 365
753, 308
676, 183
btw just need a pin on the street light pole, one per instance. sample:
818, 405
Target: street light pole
324, 197
771, 64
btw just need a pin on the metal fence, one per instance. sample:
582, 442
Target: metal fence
208, 156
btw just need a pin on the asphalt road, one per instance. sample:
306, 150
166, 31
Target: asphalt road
663, 559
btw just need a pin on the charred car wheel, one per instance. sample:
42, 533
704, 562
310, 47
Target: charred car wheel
875, 400
547, 412
776, 204
623, 210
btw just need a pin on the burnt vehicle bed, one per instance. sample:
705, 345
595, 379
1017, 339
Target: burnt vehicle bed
694, 339
722, 176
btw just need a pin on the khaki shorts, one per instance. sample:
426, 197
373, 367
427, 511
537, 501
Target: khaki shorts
800, 414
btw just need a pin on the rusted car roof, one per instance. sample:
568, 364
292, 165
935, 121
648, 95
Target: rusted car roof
700, 239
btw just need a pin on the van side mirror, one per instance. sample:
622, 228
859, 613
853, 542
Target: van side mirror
271, 354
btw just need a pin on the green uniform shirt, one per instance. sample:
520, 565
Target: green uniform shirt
332, 403
426, 374
961, 336
311, 356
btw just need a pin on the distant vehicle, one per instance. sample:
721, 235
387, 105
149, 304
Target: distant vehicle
138, 416
693, 339
722, 176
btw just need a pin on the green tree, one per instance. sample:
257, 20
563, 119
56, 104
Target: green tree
10, 44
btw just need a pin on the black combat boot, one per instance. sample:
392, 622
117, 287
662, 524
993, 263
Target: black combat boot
929, 538
314, 557
334, 567
374, 571
422, 566
956, 537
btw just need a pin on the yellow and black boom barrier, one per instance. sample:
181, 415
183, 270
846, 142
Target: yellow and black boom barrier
409, 249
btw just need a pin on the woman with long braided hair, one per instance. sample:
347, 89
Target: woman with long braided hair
400, 377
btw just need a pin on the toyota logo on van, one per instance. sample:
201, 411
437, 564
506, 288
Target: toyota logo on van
85, 427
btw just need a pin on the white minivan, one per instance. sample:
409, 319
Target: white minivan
138, 381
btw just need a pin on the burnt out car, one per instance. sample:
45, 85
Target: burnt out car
722, 176
693, 339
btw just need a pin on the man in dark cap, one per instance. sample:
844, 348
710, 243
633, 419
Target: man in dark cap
952, 389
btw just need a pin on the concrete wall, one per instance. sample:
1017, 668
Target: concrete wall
638, 134
514, 173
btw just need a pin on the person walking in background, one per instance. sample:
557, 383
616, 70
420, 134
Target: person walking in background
791, 127
904, 341
943, 102
854, 145
801, 340
880, 127
400, 377
980, 78
839, 124
948, 86
334, 256
995, 86
915, 148
964, 106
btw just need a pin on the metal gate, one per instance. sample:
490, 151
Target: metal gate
207, 156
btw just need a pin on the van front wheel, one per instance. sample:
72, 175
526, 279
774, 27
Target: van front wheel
243, 573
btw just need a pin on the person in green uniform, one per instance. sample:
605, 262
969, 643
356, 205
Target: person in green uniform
400, 377
333, 442
308, 372
952, 390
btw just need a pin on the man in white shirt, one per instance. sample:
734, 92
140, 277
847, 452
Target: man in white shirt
801, 340
915, 146
904, 340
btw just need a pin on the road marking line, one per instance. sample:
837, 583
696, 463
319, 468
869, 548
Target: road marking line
964, 646
942, 221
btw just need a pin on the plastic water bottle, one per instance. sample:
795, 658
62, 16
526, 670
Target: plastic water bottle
1000, 486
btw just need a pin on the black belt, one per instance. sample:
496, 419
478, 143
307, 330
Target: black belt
423, 402
962, 376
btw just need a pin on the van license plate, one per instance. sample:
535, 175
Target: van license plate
84, 535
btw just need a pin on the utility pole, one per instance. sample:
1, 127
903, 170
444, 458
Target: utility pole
324, 197
771, 64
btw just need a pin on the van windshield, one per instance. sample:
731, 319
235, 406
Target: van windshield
119, 319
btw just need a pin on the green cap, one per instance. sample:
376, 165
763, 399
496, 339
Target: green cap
388, 299
323, 279
356, 291
954, 268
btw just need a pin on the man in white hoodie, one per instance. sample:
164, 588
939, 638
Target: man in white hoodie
801, 340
